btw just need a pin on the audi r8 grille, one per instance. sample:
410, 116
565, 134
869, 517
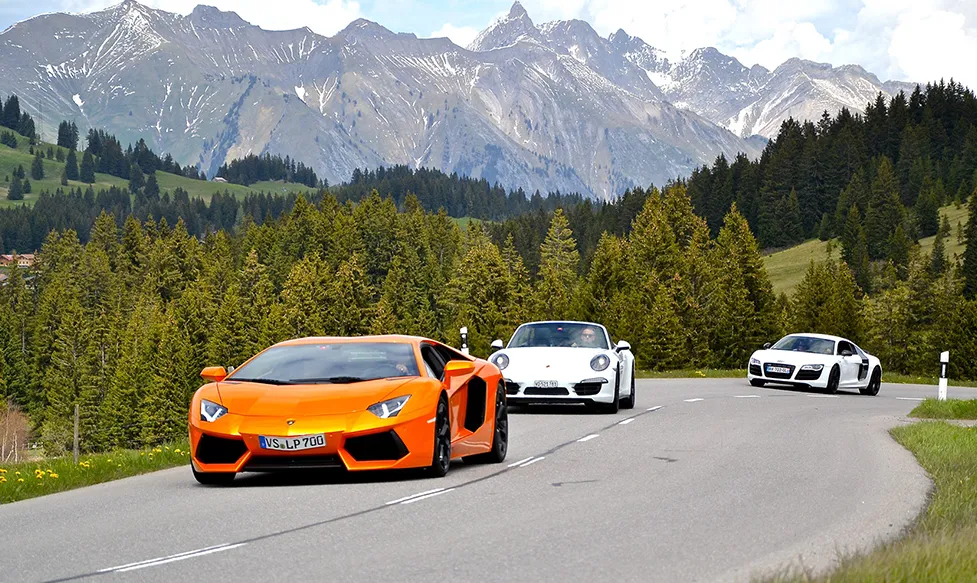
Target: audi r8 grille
755, 370
268, 463
385, 446
218, 450
778, 375
511, 388
587, 388
545, 391
808, 375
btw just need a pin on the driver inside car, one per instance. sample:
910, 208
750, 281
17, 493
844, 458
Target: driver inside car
587, 338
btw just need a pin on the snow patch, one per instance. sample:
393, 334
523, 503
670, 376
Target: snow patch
300, 91
77, 99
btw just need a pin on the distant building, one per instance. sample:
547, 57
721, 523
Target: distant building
219, 179
24, 261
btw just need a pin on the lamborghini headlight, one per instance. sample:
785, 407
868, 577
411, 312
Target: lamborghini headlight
388, 408
600, 362
211, 411
814, 367
500, 360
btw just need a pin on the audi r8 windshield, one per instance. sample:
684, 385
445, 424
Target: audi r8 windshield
568, 334
335, 362
805, 344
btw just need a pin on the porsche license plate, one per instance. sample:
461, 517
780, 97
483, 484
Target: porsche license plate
778, 369
547, 384
292, 443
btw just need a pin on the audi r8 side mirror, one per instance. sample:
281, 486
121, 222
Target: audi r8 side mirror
214, 373
497, 344
766, 345
622, 345
459, 367
846, 352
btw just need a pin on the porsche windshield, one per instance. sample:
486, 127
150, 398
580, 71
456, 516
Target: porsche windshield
805, 344
329, 363
559, 334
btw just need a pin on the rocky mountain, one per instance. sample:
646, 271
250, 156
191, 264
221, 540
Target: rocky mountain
548, 107
754, 100
527, 109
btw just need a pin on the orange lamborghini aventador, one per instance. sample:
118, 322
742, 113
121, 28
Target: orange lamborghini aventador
363, 403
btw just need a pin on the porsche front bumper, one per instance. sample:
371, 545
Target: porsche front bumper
592, 388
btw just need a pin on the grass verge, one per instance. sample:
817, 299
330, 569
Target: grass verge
30, 479
949, 409
940, 546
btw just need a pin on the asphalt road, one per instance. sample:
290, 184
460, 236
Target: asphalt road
704, 480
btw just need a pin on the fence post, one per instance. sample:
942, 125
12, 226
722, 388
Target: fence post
76, 434
944, 365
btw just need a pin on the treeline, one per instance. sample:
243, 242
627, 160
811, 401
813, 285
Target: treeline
808, 179
111, 159
460, 196
13, 118
122, 324
250, 169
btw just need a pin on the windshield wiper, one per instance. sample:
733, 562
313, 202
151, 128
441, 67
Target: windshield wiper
339, 379
264, 381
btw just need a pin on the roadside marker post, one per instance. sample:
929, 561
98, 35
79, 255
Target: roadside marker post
464, 340
944, 365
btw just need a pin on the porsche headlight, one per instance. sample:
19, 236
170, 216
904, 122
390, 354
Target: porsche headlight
814, 367
388, 408
500, 360
600, 362
754, 361
211, 411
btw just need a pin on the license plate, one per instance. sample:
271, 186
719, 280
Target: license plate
547, 384
293, 443
780, 369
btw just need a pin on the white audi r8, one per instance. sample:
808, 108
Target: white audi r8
817, 361
566, 362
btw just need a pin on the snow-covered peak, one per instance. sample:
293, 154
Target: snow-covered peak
506, 30
211, 17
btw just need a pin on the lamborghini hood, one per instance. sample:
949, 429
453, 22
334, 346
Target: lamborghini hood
261, 400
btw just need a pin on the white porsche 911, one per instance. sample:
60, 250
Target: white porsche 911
817, 361
566, 362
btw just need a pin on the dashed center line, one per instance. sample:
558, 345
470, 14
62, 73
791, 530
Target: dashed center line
533, 461
426, 496
824, 396
589, 437
171, 558
626, 421
747, 396
693, 400
521, 461
655, 408
910, 398
399, 500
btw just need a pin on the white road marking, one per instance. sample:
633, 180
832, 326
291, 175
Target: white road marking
824, 396
399, 500
171, 558
626, 421
589, 437
747, 396
655, 408
431, 495
532, 461
693, 400
521, 461
910, 398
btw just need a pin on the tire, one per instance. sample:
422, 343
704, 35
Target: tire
213, 478
834, 377
757, 382
441, 460
500, 436
628, 402
873, 385
613, 407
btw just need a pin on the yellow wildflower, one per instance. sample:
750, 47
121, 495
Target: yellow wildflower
18, 473
176, 451
3, 471
2, 479
20, 479
54, 475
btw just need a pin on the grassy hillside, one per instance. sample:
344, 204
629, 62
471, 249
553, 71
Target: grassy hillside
786, 268
10, 159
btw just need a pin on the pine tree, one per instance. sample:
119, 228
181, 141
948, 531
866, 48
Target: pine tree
927, 212
37, 166
824, 229
938, 261
136, 178
304, 297
27, 188
64, 177
87, 174
969, 268
559, 261
71, 165
348, 311
885, 211
16, 190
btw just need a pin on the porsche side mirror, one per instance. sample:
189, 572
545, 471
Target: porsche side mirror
456, 368
214, 373
766, 345
497, 344
622, 346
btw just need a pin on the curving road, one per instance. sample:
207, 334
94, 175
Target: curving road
705, 480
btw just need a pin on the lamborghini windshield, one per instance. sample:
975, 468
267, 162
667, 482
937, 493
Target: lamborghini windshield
566, 334
338, 362
805, 344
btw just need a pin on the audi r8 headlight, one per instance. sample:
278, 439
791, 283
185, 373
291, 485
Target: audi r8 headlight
388, 408
211, 411
501, 361
814, 367
600, 362
754, 361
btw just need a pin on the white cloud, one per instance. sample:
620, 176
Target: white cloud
327, 17
460, 35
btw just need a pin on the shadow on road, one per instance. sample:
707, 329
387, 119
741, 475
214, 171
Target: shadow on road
321, 477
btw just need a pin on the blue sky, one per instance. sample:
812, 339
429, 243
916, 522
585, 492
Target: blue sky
910, 40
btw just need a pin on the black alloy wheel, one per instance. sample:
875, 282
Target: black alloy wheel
833, 379
442, 440
873, 385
